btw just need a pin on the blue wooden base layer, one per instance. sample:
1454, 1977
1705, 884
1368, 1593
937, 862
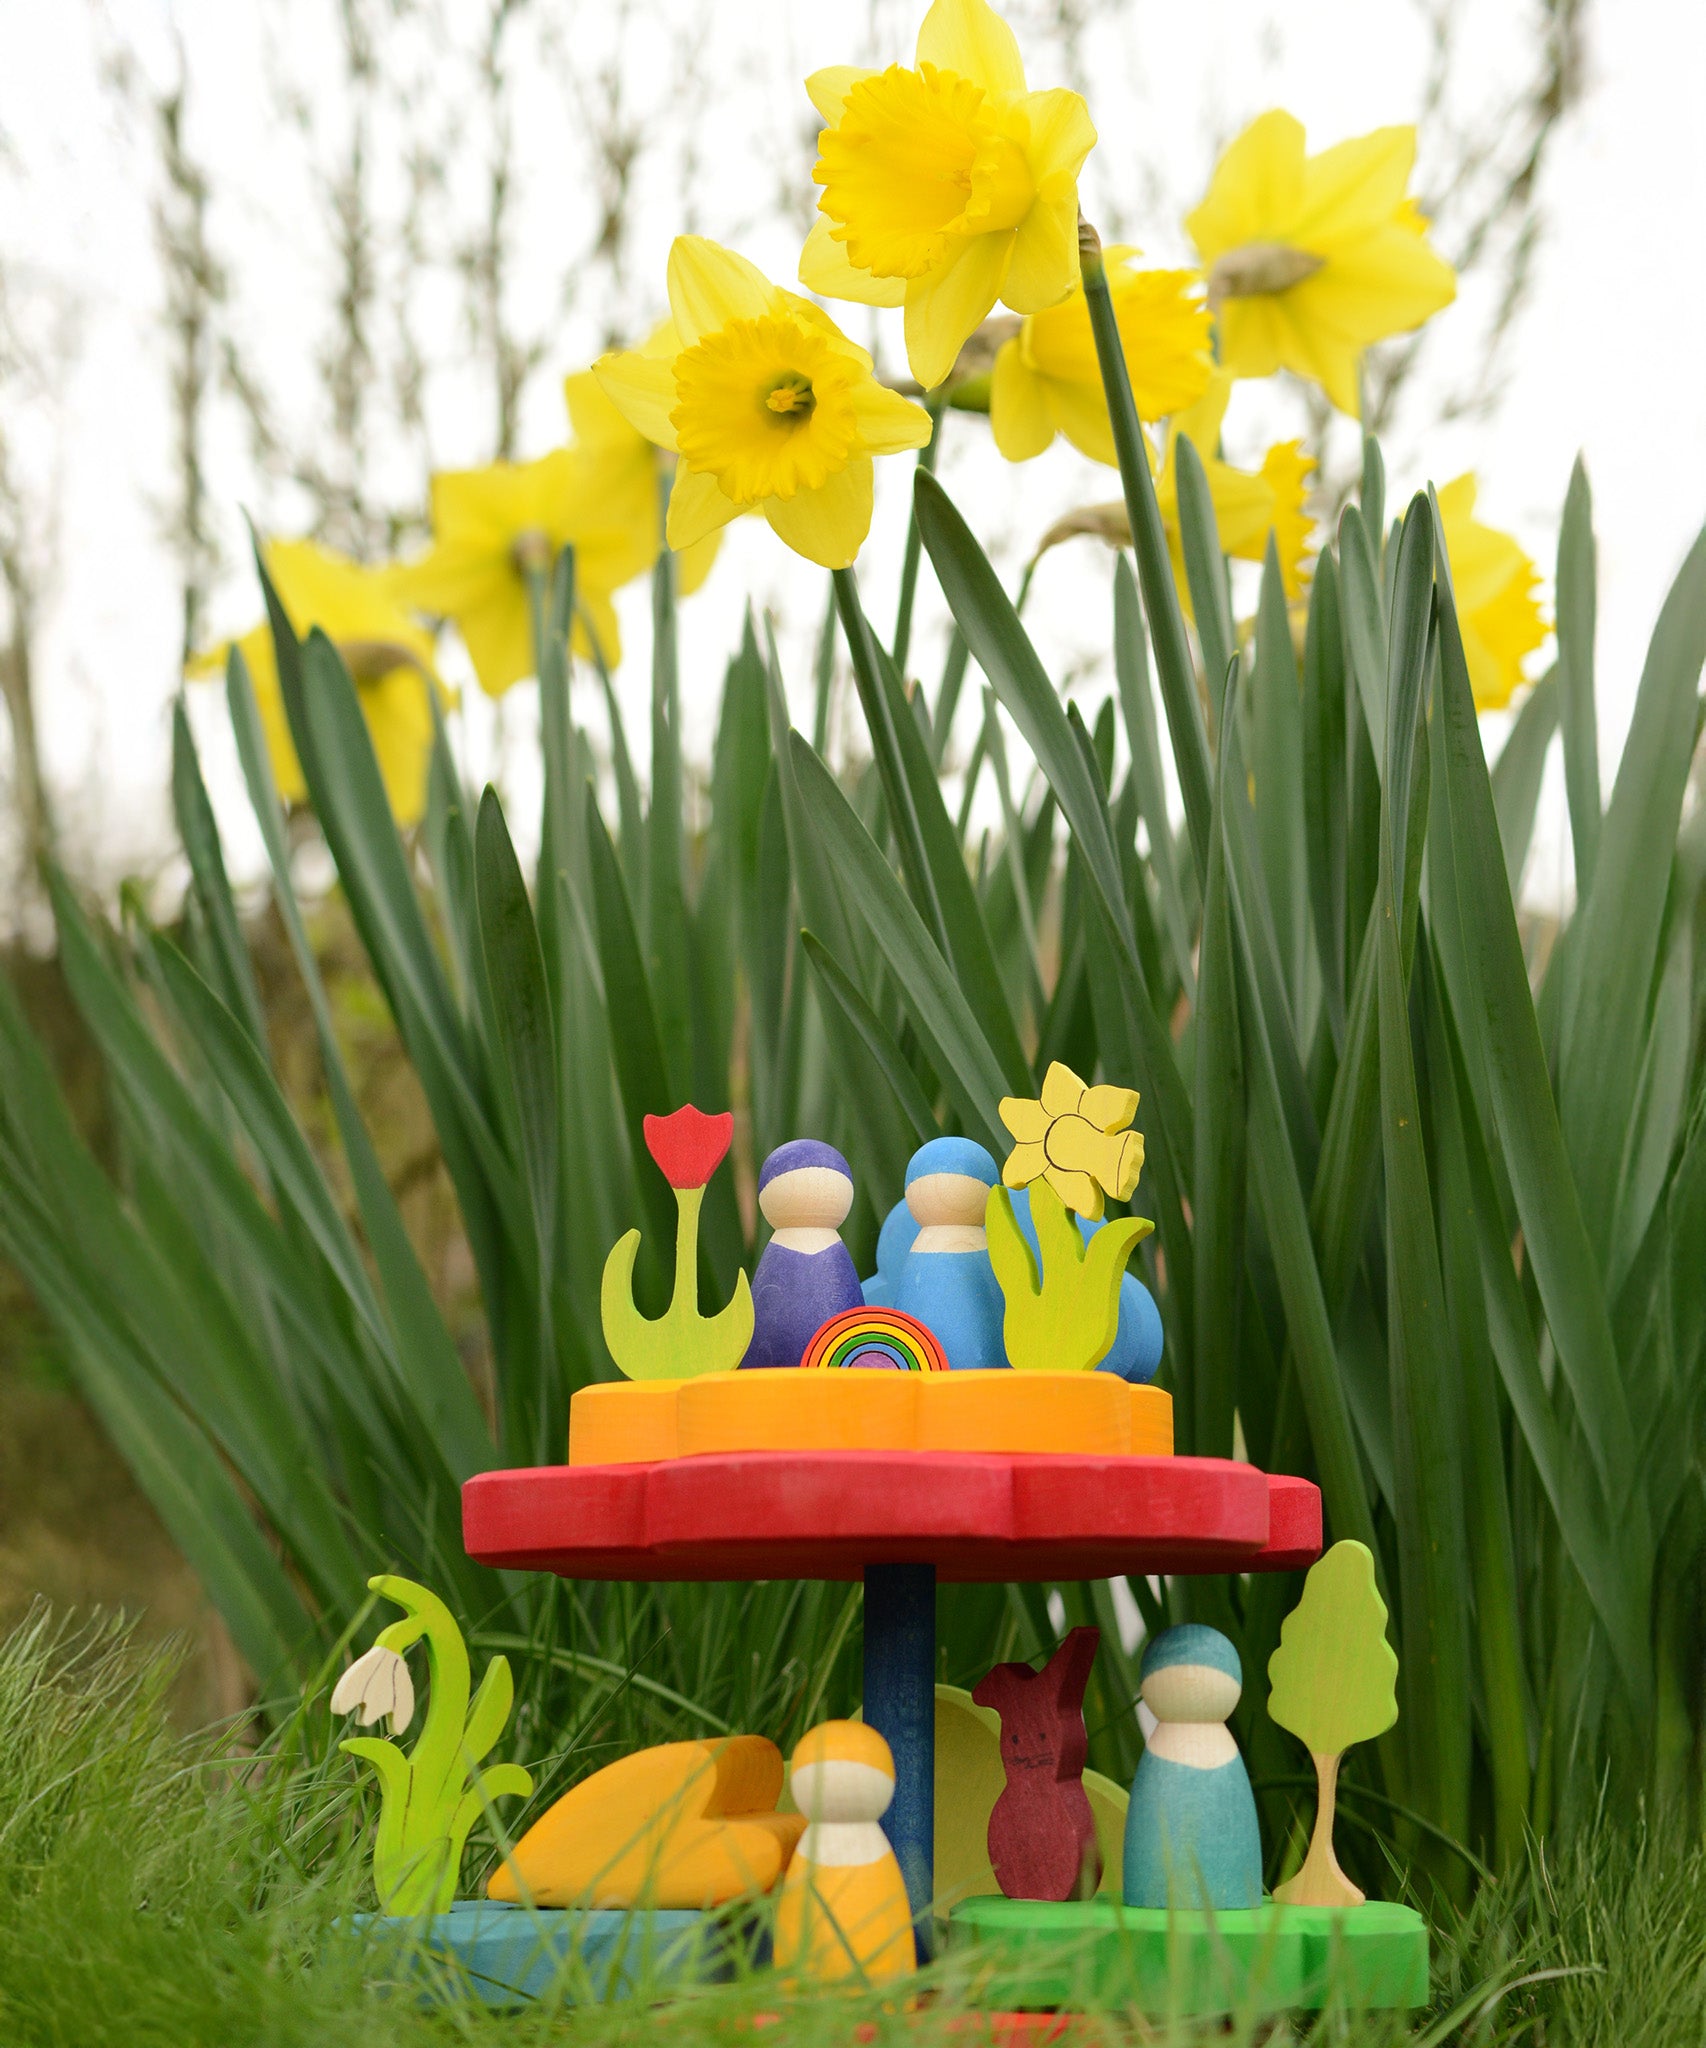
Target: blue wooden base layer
1095, 1952
507, 1955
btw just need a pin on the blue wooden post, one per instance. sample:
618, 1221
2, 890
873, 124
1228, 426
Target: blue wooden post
900, 1703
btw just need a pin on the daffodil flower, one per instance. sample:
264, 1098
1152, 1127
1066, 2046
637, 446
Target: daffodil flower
375, 1685
1075, 1138
767, 406
1047, 380
1310, 259
387, 651
1247, 506
492, 526
1493, 583
948, 186
627, 468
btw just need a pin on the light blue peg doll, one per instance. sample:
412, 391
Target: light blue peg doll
947, 1281
1191, 1836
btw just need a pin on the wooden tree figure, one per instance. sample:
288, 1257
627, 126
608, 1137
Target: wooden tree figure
1334, 1682
1042, 1834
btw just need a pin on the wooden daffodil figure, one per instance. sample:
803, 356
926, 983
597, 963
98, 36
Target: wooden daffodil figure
1075, 1146
1334, 1682
688, 1146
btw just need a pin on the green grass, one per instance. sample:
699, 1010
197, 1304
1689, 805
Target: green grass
158, 1889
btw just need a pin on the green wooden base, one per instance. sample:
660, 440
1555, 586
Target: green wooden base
1096, 1952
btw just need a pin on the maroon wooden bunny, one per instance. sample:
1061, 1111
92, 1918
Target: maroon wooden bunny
1042, 1836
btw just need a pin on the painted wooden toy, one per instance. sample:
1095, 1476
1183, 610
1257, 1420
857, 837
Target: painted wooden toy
842, 1914
1135, 1354
1075, 1138
947, 1281
1192, 1838
894, 1241
1334, 1683
688, 1147
806, 1274
1042, 1834
1066, 1318
431, 1798
874, 1340
684, 1825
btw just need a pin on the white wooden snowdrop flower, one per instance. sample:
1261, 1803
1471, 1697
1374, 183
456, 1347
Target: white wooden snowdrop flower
377, 1684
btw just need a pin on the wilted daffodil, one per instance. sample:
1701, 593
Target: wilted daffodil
387, 652
948, 186
491, 526
1493, 582
1046, 379
1310, 259
1078, 1139
627, 469
767, 406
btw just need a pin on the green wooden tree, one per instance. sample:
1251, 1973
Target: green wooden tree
1333, 1682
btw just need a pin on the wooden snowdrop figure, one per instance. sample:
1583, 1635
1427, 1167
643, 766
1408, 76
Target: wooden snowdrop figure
843, 1913
806, 1274
1191, 1836
947, 1281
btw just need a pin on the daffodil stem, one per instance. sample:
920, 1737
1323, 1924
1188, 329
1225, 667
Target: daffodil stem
914, 548
1149, 542
538, 603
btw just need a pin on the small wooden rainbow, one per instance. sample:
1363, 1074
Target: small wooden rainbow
879, 1338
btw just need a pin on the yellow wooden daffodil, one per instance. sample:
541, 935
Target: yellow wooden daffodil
491, 526
1077, 1139
1247, 506
1046, 379
767, 406
947, 186
387, 652
628, 468
1312, 258
1494, 584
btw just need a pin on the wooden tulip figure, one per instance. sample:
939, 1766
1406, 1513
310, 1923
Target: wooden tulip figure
1042, 1834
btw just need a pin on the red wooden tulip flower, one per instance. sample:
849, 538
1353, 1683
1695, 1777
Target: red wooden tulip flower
689, 1145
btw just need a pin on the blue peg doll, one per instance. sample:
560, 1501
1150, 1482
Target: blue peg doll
947, 1281
1191, 1835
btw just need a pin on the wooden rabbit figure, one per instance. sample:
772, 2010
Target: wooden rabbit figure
1042, 1835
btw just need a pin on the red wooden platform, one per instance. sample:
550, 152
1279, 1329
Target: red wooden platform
828, 1514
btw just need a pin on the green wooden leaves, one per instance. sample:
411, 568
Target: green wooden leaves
1332, 1681
1065, 1319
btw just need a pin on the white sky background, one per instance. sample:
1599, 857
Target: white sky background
1605, 359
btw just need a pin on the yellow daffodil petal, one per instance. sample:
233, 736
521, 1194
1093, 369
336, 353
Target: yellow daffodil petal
1493, 585
399, 718
1286, 471
887, 422
1080, 412
826, 268
596, 635
1396, 282
828, 525
946, 306
1078, 1191
969, 37
1028, 1120
693, 564
1200, 422
828, 89
1257, 183
698, 505
1044, 264
1024, 1163
642, 389
1019, 415
1353, 188
1108, 1108
1062, 1091
710, 286
498, 635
